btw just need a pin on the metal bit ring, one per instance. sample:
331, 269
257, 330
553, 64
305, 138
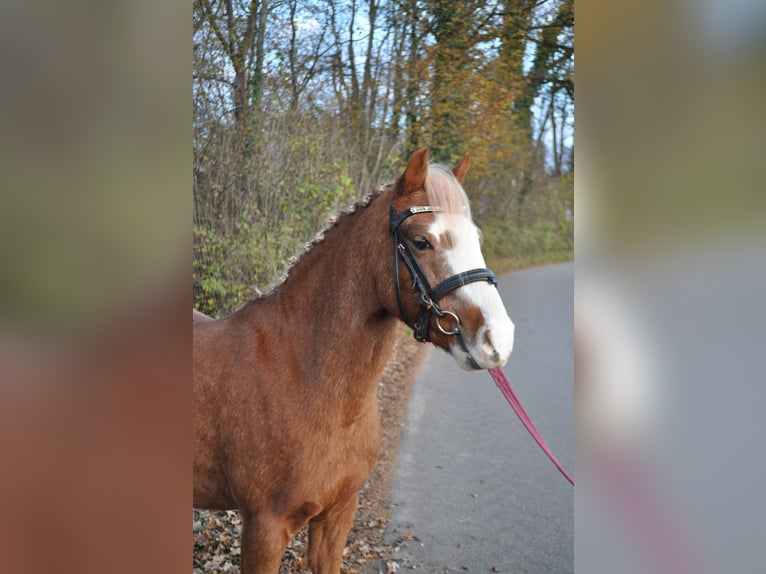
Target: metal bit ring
455, 330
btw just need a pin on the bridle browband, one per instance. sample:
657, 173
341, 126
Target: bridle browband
429, 297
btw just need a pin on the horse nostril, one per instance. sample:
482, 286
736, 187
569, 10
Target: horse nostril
489, 348
487, 341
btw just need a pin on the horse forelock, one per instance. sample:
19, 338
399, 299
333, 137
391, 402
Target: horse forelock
444, 190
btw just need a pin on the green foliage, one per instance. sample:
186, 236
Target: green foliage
230, 267
503, 240
546, 233
292, 122
225, 268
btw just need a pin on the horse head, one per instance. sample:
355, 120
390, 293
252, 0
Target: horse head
442, 287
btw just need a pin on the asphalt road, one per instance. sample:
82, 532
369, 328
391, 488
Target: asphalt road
472, 491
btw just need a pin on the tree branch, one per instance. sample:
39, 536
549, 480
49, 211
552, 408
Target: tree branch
211, 18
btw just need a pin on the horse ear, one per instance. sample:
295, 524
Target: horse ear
414, 177
461, 168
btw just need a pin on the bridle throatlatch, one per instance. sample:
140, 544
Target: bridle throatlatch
429, 297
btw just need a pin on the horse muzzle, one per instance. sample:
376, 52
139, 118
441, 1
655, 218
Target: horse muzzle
490, 347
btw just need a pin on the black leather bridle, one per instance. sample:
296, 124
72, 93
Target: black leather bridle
429, 297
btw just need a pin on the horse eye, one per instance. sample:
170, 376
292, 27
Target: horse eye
421, 243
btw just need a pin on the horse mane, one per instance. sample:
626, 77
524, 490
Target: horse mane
331, 223
444, 190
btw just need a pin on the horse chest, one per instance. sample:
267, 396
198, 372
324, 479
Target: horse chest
332, 462
347, 449
304, 456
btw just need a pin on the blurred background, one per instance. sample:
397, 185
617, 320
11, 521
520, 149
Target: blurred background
95, 401
671, 268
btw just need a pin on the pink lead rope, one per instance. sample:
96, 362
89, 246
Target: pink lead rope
505, 387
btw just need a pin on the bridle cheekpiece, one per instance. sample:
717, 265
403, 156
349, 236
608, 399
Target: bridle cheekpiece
429, 297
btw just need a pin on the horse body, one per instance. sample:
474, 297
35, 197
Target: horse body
311, 459
286, 422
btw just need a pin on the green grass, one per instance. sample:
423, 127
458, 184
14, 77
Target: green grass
501, 265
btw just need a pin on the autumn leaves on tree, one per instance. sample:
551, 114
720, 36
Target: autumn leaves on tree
302, 106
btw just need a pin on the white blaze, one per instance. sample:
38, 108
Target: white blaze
465, 254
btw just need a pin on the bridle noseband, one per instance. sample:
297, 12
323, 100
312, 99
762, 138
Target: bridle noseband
428, 297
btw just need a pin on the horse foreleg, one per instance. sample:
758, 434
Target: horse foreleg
328, 533
263, 542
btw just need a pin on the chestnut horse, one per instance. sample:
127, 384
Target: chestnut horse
286, 423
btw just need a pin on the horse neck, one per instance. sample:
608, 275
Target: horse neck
330, 307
